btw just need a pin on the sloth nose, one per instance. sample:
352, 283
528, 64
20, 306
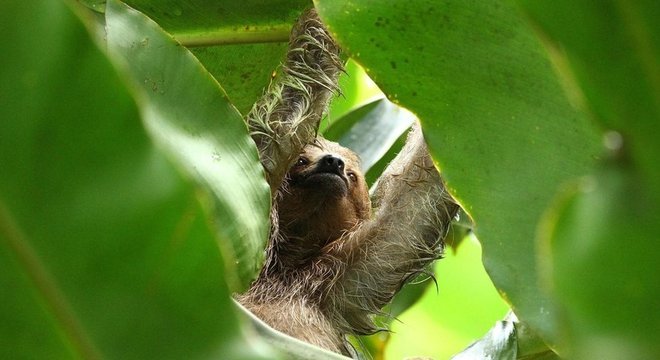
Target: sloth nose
331, 163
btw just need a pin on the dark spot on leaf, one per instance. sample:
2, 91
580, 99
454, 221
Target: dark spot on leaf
414, 93
382, 22
393, 64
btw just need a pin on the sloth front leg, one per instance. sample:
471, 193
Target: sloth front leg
413, 213
287, 117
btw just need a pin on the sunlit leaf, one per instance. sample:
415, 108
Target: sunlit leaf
498, 344
187, 113
356, 90
508, 340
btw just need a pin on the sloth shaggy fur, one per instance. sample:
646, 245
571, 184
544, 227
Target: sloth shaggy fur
335, 257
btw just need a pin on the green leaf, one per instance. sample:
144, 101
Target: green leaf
244, 70
611, 50
356, 90
189, 116
251, 36
371, 130
207, 22
499, 344
604, 233
602, 254
449, 317
377, 169
494, 116
105, 251
96, 5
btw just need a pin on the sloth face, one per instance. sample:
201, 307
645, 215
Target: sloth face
328, 170
331, 170
326, 193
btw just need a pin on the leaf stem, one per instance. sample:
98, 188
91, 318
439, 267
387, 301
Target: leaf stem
253, 35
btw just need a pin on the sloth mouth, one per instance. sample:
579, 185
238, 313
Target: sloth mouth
327, 176
332, 182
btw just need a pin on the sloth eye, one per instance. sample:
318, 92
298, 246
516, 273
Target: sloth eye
301, 161
352, 176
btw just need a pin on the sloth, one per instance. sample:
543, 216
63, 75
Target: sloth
335, 257
327, 197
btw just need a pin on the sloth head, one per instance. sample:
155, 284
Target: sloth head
326, 194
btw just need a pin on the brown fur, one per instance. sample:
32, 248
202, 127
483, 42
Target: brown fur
332, 260
319, 207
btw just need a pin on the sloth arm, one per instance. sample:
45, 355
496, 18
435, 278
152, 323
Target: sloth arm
368, 266
287, 117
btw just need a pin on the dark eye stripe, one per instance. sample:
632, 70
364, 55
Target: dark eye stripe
302, 161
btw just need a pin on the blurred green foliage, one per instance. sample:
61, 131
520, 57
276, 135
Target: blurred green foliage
128, 175
448, 318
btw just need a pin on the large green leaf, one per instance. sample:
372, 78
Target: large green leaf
240, 43
208, 22
493, 112
243, 70
602, 254
604, 234
187, 113
104, 249
613, 50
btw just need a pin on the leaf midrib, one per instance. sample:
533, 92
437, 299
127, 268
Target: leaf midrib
225, 36
46, 286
